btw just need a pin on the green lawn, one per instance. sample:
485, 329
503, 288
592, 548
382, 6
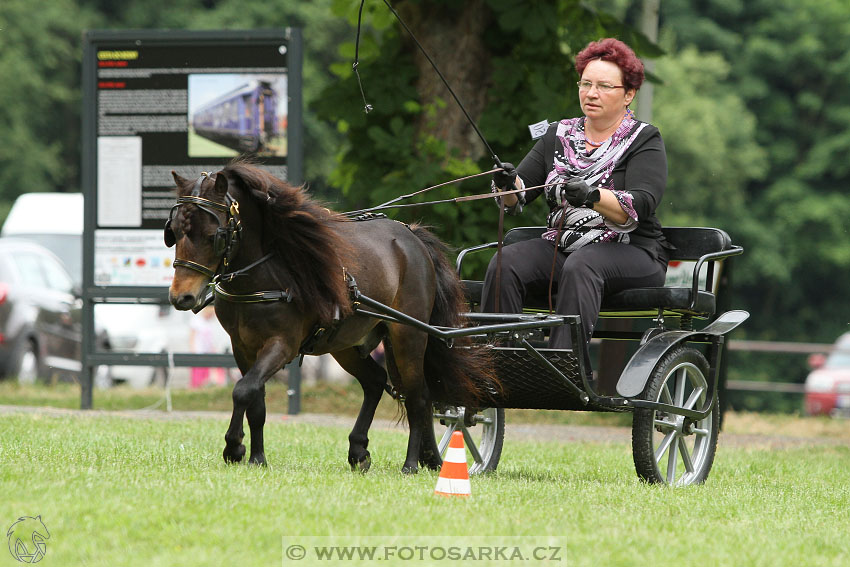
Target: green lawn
149, 492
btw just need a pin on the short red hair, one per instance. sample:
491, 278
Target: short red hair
617, 52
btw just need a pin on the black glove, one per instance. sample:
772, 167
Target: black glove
504, 180
579, 194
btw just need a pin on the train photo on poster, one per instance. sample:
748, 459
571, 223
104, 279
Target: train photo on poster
246, 118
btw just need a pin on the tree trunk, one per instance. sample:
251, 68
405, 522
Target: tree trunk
451, 34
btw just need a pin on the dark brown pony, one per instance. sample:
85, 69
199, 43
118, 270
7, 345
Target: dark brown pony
286, 268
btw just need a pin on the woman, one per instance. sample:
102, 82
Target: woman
606, 173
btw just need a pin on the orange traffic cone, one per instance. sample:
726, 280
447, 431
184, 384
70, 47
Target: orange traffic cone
454, 476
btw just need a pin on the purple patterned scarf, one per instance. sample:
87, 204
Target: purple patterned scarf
583, 226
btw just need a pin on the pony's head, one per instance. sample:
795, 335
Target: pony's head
204, 228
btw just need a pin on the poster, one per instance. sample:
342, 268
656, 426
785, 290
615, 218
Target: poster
176, 101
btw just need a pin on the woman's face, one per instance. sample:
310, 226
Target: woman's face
602, 103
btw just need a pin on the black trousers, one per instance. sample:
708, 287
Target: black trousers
581, 279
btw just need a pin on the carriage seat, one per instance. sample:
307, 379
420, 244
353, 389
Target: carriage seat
692, 298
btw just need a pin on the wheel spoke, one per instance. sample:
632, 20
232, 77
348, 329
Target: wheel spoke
664, 445
473, 448
681, 380
686, 455
672, 458
664, 396
664, 424
695, 396
447, 436
701, 432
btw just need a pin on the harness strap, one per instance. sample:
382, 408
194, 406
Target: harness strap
193, 266
255, 297
230, 276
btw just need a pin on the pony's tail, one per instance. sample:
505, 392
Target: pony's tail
463, 373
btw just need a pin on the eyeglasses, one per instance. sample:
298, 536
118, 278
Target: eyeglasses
601, 87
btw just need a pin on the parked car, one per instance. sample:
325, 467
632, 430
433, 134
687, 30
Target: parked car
828, 384
55, 220
40, 309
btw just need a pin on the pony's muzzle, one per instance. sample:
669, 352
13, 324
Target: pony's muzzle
183, 301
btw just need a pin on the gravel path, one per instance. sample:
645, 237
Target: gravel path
516, 431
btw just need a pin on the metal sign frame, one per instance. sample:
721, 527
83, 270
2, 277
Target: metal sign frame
182, 43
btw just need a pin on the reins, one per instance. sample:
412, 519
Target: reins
461, 199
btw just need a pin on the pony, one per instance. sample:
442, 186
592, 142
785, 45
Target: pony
285, 273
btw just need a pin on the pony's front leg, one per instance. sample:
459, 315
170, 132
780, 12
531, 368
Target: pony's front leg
249, 397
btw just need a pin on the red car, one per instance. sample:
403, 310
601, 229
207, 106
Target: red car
828, 385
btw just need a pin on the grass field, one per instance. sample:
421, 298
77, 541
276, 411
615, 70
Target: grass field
117, 490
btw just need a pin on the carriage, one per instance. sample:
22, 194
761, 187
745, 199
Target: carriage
242, 230
670, 384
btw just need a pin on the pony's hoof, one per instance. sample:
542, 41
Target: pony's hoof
234, 455
432, 465
361, 466
408, 469
258, 459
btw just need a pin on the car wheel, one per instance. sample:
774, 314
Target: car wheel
27, 367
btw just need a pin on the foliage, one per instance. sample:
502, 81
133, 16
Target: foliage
792, 75
532, 77
710, 139
39, 95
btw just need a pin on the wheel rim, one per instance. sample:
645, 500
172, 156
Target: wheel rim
681, 448
480, 438
28, 371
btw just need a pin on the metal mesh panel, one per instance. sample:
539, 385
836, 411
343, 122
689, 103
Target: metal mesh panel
529, 385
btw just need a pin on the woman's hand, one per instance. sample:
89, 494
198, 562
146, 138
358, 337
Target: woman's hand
505, 179
579, 194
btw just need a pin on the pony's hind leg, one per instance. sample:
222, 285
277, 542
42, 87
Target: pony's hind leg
372, 378
429, 453
407, 355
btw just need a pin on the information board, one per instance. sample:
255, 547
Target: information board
182, 101
157, 101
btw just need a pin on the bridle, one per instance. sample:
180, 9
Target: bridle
227, 235
226, 241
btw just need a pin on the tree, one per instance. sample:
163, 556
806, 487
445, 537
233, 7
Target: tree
39, 95
793, 75
511, 64
710, 137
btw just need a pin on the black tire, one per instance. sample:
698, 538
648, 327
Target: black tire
27, 366
483, 433
667, 448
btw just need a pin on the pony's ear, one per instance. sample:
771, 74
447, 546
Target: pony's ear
220, 184
180, 181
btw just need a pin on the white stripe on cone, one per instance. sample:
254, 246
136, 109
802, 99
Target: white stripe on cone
453, 486
456, 455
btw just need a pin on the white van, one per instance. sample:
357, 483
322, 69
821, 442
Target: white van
54, 220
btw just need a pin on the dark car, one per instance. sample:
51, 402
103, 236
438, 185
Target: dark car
40, 330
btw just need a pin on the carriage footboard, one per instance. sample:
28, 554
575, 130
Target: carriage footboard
539, 378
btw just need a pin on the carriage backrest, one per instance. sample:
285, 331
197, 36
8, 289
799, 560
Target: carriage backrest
691, 242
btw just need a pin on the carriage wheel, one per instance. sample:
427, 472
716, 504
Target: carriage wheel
670, 448
483, 433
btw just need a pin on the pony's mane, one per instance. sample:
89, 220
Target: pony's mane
302, 232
